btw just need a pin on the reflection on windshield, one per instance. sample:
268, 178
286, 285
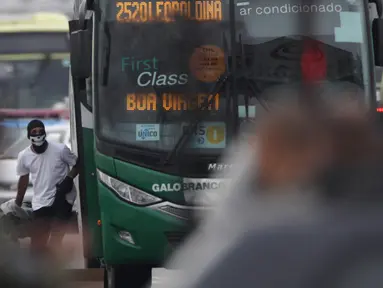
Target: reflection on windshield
33, 84
273, 38
283, 60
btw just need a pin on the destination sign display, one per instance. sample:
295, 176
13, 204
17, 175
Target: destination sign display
170, 102
145, 11
156, 77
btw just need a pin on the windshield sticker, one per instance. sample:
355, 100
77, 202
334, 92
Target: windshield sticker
242, 111
350, 30
209, 135
259, 18
208, 63
147, 132
287, 8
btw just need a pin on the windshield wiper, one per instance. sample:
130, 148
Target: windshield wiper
193, 125
42, 68
227, 77
249, 81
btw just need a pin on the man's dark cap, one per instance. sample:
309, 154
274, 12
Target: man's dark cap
34, 124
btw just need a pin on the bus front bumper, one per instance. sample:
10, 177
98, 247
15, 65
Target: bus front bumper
134, 234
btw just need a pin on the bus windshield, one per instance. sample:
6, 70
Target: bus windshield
34, 69
33, 84
142, 96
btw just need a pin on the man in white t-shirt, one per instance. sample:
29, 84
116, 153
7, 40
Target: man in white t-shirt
51, 167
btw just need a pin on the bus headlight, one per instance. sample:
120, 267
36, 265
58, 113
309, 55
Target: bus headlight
129, 193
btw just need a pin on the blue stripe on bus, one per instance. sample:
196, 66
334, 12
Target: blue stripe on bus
20, 123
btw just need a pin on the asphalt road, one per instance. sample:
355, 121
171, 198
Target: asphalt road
158, 281
72, 242
74, 259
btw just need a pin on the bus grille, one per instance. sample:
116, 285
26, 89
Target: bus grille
182, 213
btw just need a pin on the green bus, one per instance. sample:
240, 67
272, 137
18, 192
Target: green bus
155, 104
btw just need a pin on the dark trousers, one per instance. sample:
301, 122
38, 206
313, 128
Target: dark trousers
50, 223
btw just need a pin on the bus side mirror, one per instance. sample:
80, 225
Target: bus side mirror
377, 34
81, 53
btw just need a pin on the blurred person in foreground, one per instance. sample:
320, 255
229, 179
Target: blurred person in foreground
52, 168
303, 209
21, 270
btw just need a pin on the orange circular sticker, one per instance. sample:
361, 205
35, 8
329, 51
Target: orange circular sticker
207, 63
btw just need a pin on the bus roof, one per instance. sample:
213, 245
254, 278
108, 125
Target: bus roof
34, 22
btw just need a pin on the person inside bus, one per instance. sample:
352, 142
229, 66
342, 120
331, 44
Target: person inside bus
47, 165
